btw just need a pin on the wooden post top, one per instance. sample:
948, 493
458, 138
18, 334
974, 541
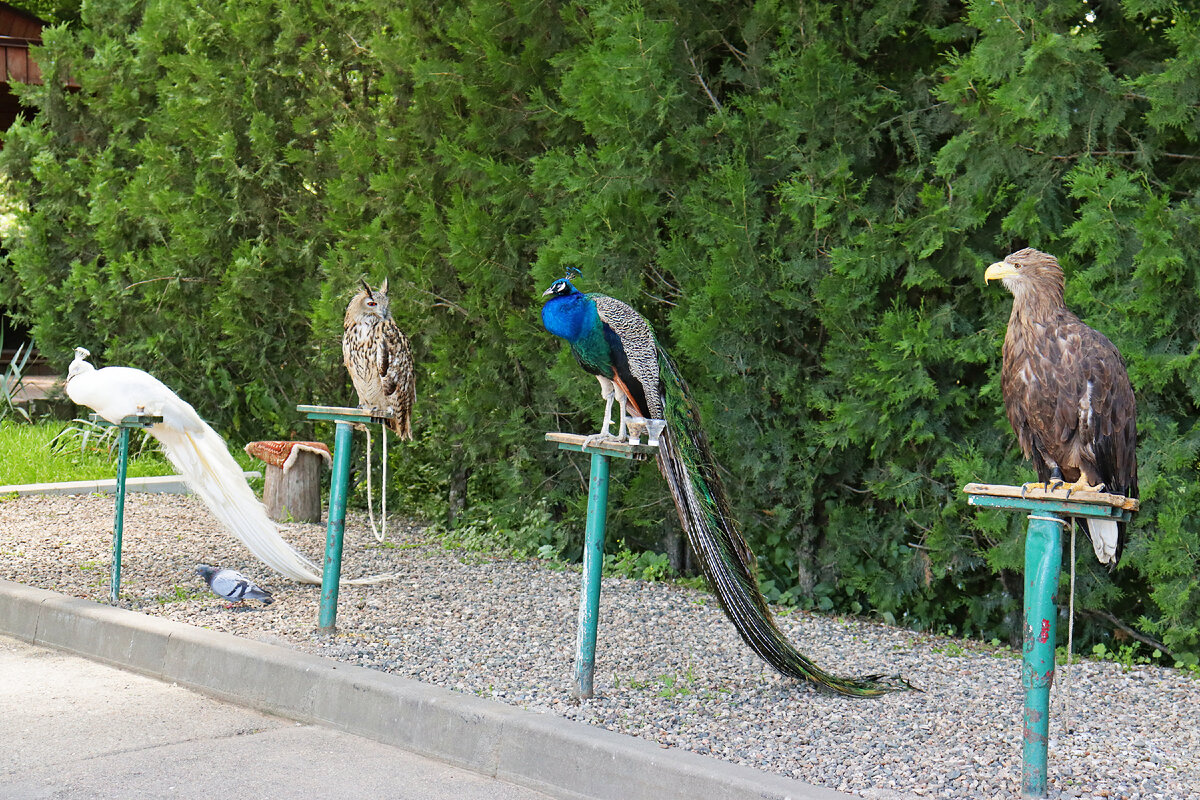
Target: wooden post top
608, 447
1075, 504
345, 414
131, 421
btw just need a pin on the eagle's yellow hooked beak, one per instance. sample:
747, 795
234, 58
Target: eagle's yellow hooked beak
999, 271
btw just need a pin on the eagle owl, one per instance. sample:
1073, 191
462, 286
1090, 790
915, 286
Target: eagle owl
379, 359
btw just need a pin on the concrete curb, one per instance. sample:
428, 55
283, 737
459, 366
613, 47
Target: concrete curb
163, 484
561, 757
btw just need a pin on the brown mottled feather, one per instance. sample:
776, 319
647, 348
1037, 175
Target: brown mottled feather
1066, 390
377, 356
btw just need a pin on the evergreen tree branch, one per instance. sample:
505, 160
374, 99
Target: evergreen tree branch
1124, 627
1101, 153
699, 78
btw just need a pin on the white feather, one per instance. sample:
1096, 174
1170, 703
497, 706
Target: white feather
196, 450
1103, 533
200, 455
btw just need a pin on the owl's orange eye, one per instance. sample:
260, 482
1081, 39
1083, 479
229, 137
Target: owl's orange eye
371, 303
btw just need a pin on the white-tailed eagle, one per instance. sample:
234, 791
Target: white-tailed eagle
1067, 393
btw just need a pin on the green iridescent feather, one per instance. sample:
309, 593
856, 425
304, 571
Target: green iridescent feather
687, 463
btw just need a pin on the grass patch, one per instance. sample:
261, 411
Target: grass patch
27, 457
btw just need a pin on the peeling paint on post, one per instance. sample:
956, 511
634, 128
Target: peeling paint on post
344, 422
335, 528
1048, 512
139, 420
114, 587
593, 566
593, 544
1043, 563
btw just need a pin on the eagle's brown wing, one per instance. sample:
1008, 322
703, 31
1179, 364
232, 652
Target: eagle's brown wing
1068, 397
1112, 431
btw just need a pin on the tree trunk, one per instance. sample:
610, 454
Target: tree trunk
295, 495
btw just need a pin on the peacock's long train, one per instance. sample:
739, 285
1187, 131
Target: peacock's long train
617, 345
200, 455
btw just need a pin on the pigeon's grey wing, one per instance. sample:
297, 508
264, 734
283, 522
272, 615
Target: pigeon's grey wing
256, 592
229, 584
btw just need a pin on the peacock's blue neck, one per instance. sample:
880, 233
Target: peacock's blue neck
574, 317
570, 316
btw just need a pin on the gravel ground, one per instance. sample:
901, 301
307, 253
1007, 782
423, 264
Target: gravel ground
669, 667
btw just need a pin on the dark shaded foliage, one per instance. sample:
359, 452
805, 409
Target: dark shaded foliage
801, 197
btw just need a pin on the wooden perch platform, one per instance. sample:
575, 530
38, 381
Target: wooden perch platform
131, 421
1076, 504
608, 447
344, 414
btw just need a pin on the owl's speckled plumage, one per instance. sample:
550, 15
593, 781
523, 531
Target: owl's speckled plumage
378, 358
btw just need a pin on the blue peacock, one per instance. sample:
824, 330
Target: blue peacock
617, 345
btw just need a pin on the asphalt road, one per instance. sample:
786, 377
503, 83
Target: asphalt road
74, 728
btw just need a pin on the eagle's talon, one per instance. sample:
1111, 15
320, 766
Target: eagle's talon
1082, 485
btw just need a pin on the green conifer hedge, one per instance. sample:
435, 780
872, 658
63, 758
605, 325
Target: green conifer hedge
802, 197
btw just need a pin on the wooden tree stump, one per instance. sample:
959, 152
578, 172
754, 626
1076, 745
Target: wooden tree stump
293, 479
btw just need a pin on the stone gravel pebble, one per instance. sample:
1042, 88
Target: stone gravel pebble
669, 667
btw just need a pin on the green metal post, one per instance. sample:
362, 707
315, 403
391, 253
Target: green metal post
593, 562
1043, 562
114, 592
336, 528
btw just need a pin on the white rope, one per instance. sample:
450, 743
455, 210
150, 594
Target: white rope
1048, 519
380, 532
1066, 685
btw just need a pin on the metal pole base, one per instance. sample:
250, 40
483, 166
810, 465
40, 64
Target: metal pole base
1043, 562
593, 564
114, 586
1048, 511
335, 528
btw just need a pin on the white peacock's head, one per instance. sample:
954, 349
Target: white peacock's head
79, 365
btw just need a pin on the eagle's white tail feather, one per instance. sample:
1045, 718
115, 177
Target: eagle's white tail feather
1103, 533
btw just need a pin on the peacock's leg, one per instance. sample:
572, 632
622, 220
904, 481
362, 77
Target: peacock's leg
608, 390
623, 428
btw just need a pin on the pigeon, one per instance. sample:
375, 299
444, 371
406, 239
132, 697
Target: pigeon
232, 585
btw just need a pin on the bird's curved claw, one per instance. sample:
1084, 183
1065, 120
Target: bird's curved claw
602, 436
1081, 485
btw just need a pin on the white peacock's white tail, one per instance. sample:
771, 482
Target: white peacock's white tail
200, 455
